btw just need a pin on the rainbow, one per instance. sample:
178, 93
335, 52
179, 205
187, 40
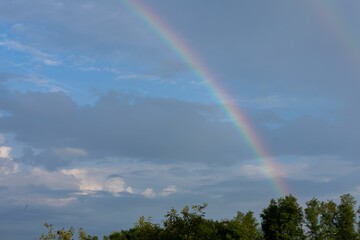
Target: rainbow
333, 22
188, 56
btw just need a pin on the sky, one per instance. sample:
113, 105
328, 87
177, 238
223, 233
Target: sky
110, 110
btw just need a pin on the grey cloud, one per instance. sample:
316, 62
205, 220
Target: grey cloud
163, 130
47, 159
325, 190
121, 126
282, 47
308, 135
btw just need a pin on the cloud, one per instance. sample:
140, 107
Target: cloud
322, 168
168, 191
132, 42
91, 181
38, 55
139, 77
7, 165
70, 152
51, 159
30, 79
5, 152
149, 193
115, 126
116, 185
253, 171
86, 182
307, 135
58, 202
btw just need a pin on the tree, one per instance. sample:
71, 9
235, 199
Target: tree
173, 225
312, 219
346, 218
328, 220
246, 226
51, 235
145, 229
358, 223
61, 234
269, 224
84, 236
64, 234
282, 219
189, 224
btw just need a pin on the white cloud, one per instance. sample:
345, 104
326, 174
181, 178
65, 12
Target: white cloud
146, 77
253, 171
129, 189
38, 55
5, 152
168, 191
149, 193
86, 181
116, 185
7, 165
94, 180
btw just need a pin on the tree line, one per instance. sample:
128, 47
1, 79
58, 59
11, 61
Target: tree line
282, 219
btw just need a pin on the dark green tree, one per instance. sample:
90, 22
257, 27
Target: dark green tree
346, 218
270, 224
328, 227
312, 219
243, 226
145, 229
282, 219
189, 224
117, 236
174, 225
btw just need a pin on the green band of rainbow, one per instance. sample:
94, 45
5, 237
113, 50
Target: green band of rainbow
187, 55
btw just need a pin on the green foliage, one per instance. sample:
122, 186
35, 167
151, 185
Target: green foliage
243, 226
282, 219
50, 234
64, 234
145, 229
346, 218
61, 234
328, 220
189, 224
84, 236
312, 219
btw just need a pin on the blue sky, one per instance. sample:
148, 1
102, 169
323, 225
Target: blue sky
102, 122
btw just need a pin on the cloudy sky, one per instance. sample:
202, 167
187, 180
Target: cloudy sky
103, 120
